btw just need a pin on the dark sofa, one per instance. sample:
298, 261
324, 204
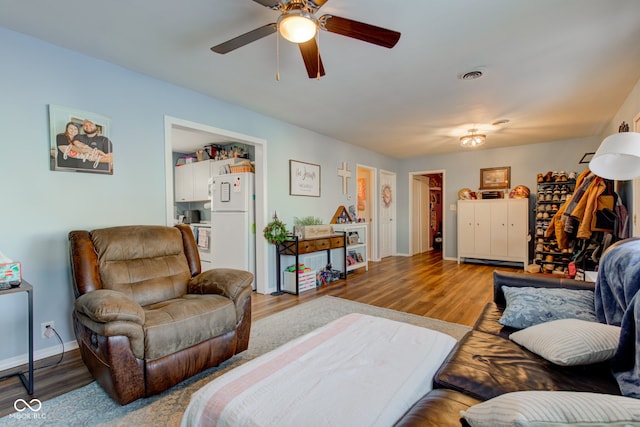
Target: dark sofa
486, 364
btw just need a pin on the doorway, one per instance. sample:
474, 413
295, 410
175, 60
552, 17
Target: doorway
213, 134
426, 211
367, 206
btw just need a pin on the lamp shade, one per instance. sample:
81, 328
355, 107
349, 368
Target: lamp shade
618, 157
297, 26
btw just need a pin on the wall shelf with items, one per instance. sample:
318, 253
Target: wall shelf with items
550, 197
356, 242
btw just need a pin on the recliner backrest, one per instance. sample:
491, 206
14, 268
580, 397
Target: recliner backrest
146, 262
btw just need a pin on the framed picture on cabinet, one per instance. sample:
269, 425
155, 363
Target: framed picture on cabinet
304, 179
495, 178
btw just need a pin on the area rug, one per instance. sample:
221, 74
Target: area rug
91, 406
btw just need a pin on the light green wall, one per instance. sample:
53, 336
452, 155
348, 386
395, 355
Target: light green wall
40, 206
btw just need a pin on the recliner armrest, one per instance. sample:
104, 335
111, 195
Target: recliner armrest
506, 278
228, 282
231, 283
104, 305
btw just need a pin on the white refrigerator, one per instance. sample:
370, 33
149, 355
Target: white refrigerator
233, 234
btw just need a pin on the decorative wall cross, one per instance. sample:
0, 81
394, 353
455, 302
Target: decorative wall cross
345, 174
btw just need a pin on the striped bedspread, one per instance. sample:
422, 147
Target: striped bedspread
358, 370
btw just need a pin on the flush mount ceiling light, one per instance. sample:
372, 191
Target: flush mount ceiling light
297, 26
472, 140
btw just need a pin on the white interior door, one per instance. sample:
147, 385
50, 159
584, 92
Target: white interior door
387, 213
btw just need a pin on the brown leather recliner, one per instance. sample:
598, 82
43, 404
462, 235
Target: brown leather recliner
145, 317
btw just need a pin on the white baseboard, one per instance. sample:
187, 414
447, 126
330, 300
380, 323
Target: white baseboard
40, 354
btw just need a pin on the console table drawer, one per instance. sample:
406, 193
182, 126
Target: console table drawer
306, 246
337, 242
322, 244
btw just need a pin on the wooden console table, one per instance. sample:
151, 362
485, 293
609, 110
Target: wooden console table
295, 247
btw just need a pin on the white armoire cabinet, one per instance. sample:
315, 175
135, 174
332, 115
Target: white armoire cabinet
496, 229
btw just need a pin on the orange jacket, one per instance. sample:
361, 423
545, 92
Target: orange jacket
583, 210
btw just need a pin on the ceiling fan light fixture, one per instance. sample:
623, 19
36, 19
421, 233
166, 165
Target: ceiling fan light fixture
473, 139
297, 26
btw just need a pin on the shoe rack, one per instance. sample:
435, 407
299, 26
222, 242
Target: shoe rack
553, 188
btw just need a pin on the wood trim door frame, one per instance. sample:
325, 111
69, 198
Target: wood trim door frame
412, 207
261, 214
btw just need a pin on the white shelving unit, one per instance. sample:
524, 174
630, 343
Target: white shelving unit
356, 242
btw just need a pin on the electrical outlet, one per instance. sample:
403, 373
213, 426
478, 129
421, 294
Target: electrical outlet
43, 329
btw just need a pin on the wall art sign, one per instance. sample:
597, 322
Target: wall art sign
495, 178
304, 179
80, 141
387, 197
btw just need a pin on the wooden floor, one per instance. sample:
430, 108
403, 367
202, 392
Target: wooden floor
425, 285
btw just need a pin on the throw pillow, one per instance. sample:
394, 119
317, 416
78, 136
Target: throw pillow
528, 306
554, 408
569, 342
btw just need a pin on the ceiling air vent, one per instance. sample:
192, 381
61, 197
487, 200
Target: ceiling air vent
472, 75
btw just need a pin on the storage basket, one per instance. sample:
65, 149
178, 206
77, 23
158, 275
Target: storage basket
244, 166
306, 281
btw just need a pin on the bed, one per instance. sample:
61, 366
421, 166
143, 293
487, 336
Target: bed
358, 370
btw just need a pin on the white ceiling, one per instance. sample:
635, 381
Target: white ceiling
557, 69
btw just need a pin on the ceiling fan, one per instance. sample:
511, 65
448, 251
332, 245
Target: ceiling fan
297, 23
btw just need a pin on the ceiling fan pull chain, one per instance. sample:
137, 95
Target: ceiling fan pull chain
318, 54
277, 57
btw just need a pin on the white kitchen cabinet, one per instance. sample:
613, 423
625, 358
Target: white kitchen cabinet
192, 181
494, 230
356, 242
183, 183
201, 175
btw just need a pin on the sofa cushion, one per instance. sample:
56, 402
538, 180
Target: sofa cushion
438, 408
485, 365
570, 342
488, 321
529, 306
554, 408
179, 323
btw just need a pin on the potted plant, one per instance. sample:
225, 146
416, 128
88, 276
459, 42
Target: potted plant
276, 231
310, 227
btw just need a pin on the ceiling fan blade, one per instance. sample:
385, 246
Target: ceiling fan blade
245, 38
359, 30
311, 57
271, 4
